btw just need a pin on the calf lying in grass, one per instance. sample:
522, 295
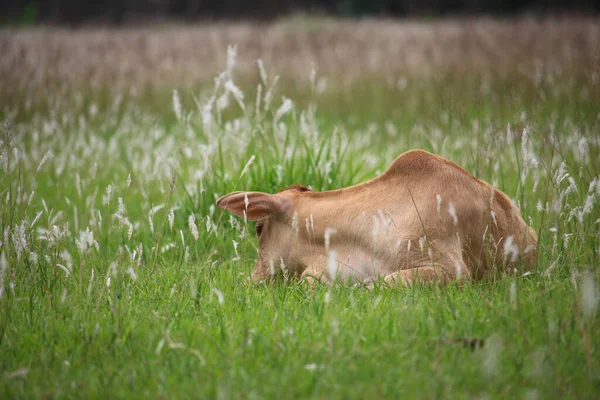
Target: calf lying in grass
424, 218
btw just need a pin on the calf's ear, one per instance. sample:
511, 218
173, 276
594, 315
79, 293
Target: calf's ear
256, 205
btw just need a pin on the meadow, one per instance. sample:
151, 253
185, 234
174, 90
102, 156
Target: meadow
120, 278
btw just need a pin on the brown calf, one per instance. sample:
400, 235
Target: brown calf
424, 218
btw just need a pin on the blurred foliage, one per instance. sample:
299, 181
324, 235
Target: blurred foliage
117, 11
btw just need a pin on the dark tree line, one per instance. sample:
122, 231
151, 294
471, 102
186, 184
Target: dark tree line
117, 11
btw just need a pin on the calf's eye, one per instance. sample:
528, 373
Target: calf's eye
259, 228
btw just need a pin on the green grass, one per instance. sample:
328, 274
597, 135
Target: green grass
179, 320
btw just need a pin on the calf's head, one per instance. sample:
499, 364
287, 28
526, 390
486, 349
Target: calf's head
279, 244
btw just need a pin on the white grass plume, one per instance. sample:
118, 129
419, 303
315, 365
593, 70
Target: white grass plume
332, 265
177, 105
286, 107
452, 212
327, 236
247, 166
49, 154
193, 227
238, 95
262, 71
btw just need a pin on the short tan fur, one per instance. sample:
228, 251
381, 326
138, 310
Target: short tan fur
424, 218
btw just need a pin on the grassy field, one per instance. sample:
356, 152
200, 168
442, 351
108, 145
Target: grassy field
120, 278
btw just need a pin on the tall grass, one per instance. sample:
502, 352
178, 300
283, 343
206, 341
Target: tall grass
119, 277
